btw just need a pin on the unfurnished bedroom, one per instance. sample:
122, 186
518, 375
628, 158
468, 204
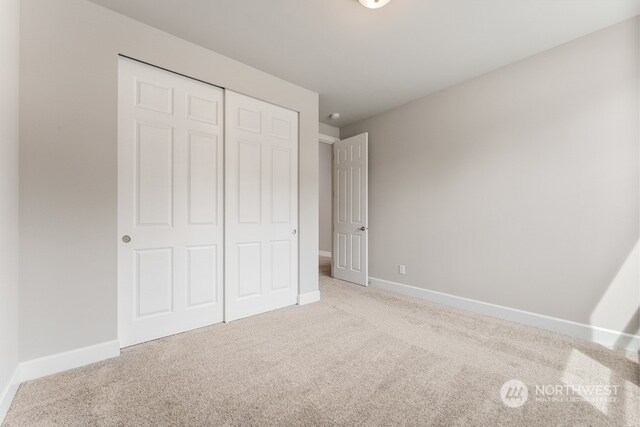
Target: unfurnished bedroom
319, 213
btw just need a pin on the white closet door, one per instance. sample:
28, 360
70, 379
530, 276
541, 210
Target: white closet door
170, 203
261, 206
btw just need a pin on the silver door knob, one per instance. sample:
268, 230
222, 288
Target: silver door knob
361, 228
126, 239
294, 232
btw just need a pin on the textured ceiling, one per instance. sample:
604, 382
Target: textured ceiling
362, 61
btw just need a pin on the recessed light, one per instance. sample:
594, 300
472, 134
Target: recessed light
334, 116
373, 4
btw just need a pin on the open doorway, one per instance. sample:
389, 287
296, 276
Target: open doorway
328, 136
325, 157
343, 213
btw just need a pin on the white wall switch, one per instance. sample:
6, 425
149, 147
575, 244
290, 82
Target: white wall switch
402, 269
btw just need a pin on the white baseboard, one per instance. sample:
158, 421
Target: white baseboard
606, 337
325, 254
308, 298
59, 362
9, 393
48, 365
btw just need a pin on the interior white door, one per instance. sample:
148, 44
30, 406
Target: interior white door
261, 206
170, 203
350, 213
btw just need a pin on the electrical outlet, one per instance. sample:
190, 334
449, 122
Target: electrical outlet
402, 269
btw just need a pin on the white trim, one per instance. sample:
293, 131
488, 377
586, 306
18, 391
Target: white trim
327, 139
9, 393
59, 362
325, 253
48, 365
308, 298
602, 336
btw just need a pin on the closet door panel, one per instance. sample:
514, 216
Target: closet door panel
261, 202
170, 191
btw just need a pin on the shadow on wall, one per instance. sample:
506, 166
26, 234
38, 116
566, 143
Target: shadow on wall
618, 309
619, 306
609, 387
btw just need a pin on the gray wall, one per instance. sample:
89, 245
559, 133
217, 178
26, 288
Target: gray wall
520, 187
9, 67
329, 130
69, 57
325, 202
324, 194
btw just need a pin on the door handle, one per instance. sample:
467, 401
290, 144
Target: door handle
126, 238
361, 228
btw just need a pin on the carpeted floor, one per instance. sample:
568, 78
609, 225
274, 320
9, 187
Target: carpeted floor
361, 356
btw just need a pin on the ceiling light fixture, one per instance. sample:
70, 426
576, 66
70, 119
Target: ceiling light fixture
334, 116
374, 4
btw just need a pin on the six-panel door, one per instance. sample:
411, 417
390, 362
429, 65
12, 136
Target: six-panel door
350, 210
261, 206
170, 197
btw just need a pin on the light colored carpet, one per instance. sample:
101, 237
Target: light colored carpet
359, 357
